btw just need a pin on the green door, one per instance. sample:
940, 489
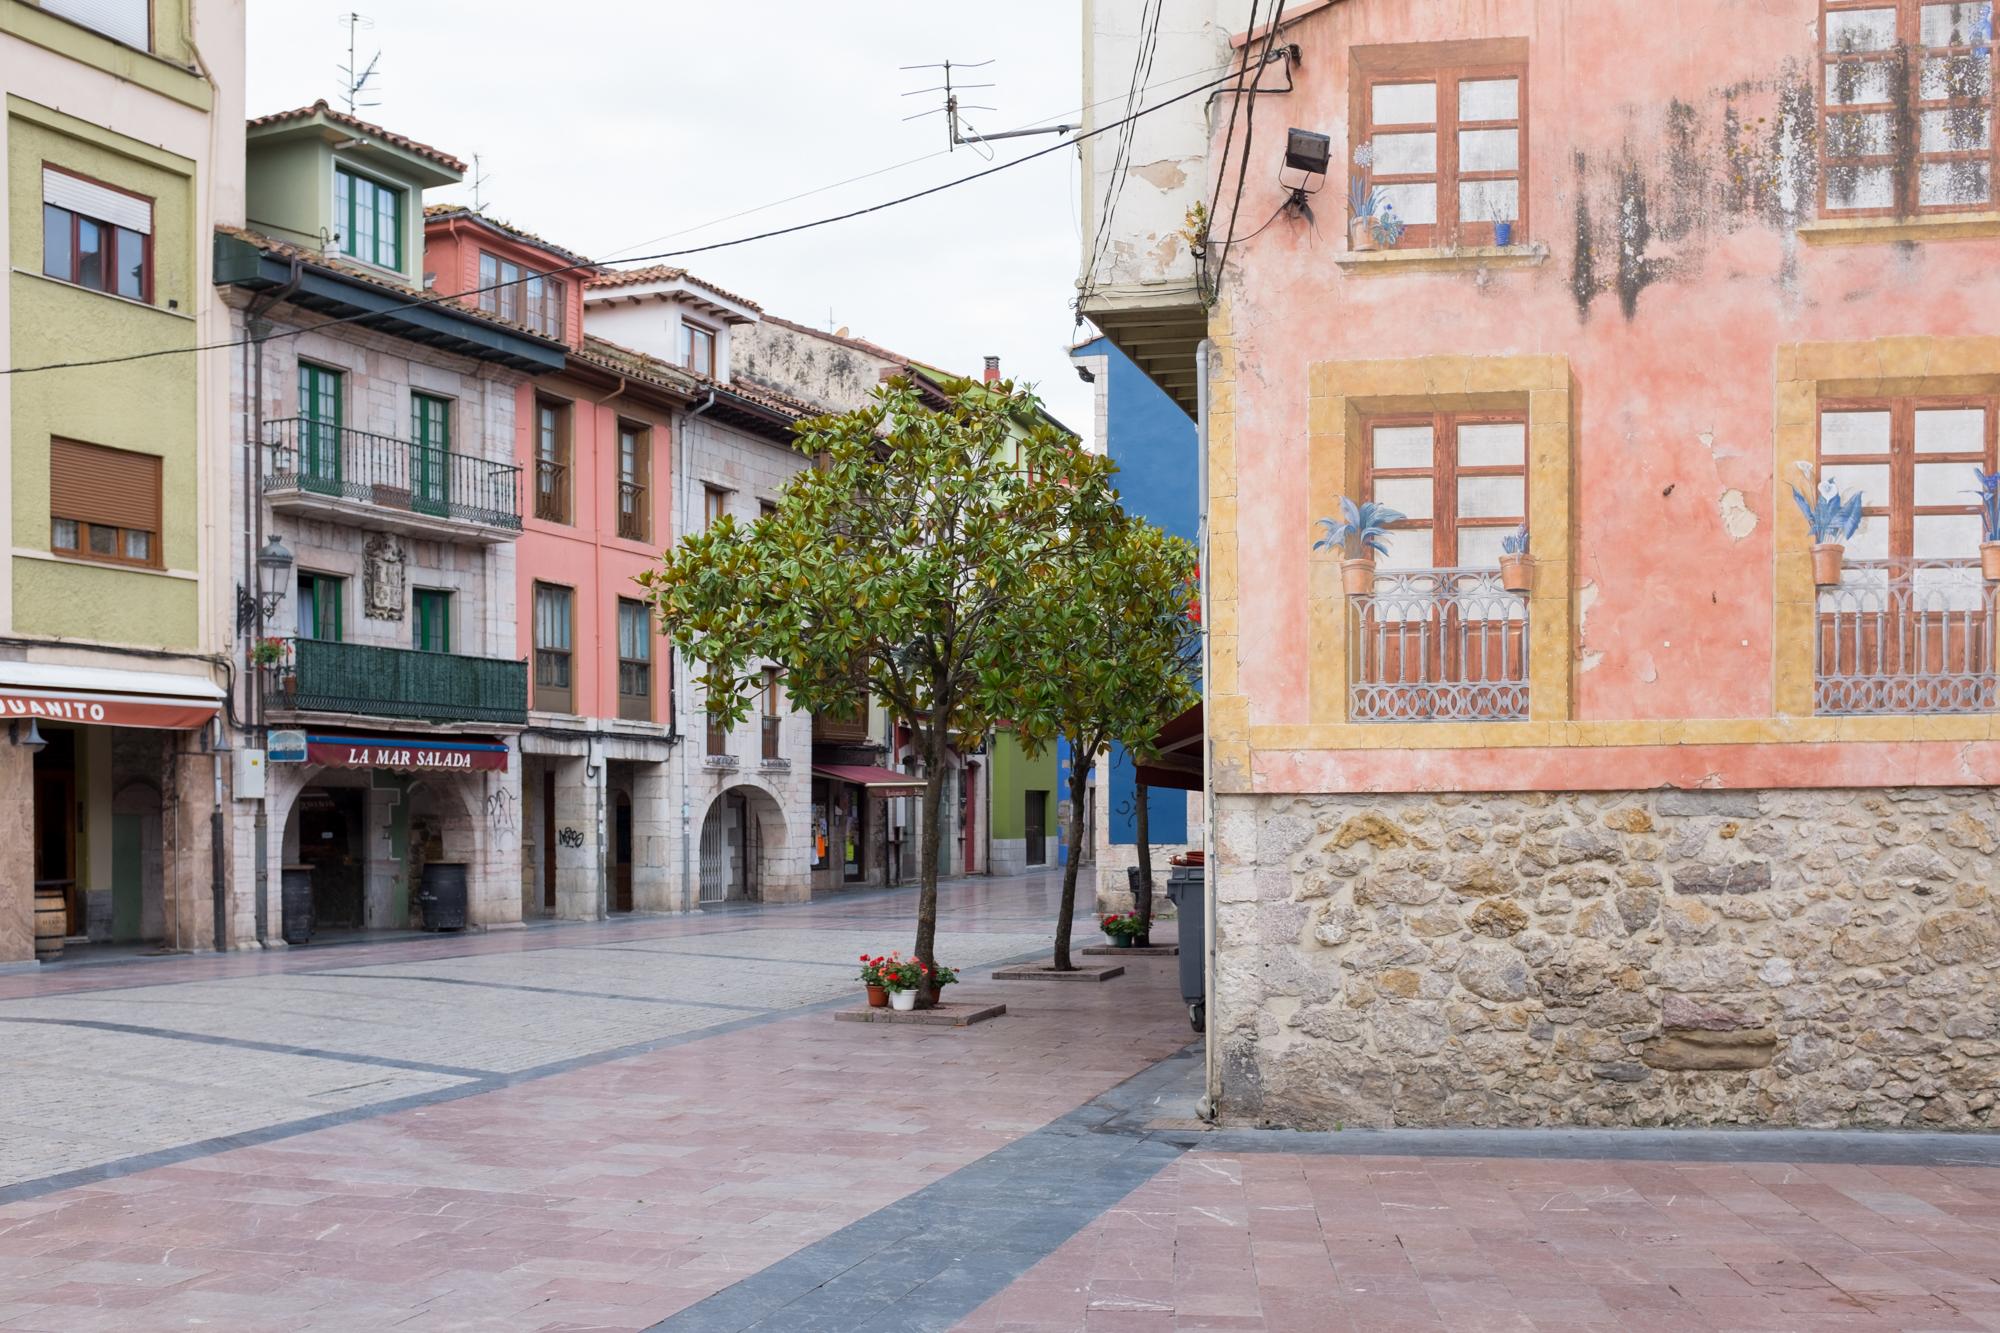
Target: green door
319, 428
430, 447
431, 620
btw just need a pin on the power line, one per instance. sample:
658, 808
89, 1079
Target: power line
1121, 160
438, 298
1249, 129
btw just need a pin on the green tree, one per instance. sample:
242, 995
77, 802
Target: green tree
894, 567
1116, 652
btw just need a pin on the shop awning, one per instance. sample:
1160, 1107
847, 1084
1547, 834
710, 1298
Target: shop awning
421, 753
1176, 762
107, 697
883, 781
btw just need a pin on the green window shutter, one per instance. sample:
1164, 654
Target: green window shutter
319, 427
431, 620
430, 453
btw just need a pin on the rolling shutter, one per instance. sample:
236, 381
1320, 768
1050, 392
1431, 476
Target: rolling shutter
128, 21
112, 487
97, 201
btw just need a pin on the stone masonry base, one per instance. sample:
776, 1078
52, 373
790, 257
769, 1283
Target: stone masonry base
1778, 957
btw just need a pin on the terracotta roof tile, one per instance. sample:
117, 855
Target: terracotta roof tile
320, 108
858, 344
443, 212
665, 273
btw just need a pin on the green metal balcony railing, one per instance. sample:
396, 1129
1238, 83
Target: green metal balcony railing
322, 459
322, 676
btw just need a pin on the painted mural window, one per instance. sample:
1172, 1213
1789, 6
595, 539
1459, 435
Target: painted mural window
552, 647
1907, 91
104, 504
1909, 628
552, 418
1446, 145
96, 235
635, 468
367, 219
515, 292
635, 661
1461, 479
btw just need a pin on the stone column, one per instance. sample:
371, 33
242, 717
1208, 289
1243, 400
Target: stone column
655, 839
495, 814
581, 879
189, 881
17, 853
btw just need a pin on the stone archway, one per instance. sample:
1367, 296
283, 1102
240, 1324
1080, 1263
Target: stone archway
743, 848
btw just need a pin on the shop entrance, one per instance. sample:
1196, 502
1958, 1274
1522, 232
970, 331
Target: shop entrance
621, 853
330, 822
56, 818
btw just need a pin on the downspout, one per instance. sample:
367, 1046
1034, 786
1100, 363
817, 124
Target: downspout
681, 482
599, 775
1211, 1101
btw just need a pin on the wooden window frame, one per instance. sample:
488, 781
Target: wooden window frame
349, 233
1904, 111
154, 558
110, 266
1446, 65
772, 720
690, 331
634, 707
1902, 511
717, 745
635, 520
549, 697
714, 505
507, 296
338, 584
1444, 473
552, 475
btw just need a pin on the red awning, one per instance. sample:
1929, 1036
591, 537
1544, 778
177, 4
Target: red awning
422, 753
107, 710
884, 781
1177, 761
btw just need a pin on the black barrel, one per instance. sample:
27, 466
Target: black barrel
442, 897
296, 903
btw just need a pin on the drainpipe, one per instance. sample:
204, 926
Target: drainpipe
1212, 1098
681, 474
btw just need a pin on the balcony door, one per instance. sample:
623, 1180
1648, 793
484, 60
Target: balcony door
430, 449
321, 392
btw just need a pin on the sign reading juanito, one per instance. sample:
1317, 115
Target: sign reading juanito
378, 752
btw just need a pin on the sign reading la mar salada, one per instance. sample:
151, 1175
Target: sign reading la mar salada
420, 755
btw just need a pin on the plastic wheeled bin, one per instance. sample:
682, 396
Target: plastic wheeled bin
1187, 887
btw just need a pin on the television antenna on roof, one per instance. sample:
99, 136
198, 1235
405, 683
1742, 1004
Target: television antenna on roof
354, 76
479, 179
961, 131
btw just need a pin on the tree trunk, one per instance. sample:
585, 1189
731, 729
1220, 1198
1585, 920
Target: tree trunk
927, 868
1142, 840
1079, 771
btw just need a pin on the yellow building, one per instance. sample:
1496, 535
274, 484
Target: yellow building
123, 143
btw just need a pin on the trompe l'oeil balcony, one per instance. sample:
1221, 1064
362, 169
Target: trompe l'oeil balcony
1906, 636
1438, 645
324, 471
326, 676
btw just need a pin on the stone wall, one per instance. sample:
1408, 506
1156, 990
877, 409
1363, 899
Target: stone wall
1781, 957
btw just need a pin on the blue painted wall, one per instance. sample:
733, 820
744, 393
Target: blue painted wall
1154, 445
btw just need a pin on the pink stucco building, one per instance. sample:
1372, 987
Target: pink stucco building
1672, 833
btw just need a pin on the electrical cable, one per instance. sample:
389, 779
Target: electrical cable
440, 298
1249, 133
1121, 162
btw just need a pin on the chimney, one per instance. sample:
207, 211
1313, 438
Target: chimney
992, 369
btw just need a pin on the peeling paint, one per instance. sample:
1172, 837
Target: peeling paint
1586, 598
1164, 175
1649, 672
1737, 519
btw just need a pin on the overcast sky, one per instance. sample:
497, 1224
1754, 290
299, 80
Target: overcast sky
606, 125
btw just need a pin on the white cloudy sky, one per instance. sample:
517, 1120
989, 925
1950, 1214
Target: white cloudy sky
607, 125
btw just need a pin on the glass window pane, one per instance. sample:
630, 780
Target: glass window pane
1860, 83
1415, 204
1962, 183
1492, 444
56, 257
1489, 150
62, 534
1411, 496
1860, 134
1951, 430
1958, 130
1961, 75
1406, 154
388, 228
1409, 549
343, 207
1871, 479
1489, 99
1492, 497
1860, 30
1854, 432
1479, 548
1945, 484
1489, 201
1405, 103
1403, 446
103, 540
1956, 25
1860, 187
89, 254
1871, 540
131, 264
138, 545
1945, 536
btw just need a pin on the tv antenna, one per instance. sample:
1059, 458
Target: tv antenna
959, 130
479, 179
355, 77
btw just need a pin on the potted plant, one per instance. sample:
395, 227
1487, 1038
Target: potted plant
1122, 927
1360, 535
931, 993
1989, 524
871, 978
901, 977
1833, 519
1516, 571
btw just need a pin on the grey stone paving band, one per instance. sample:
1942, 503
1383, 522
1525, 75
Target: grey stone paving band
738, 957
543, 990
250, 1044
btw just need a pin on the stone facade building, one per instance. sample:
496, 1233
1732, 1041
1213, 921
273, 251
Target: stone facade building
1677, 829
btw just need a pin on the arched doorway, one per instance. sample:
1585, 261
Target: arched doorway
741, 835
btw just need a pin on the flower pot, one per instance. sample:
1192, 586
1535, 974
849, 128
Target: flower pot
1503, 234
1826, 558
1361, 234
1358, 576
878, 998
1517, 574
1127, 941
902, 1001
930, 997
1989, 561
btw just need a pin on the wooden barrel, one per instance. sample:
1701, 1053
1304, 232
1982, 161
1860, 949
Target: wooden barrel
51, 922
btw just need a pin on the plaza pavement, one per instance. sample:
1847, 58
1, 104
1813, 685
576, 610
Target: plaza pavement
656, 1122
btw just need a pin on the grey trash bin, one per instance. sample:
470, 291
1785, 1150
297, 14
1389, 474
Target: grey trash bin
1187, 888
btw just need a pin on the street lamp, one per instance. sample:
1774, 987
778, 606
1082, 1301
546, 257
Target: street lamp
274, 571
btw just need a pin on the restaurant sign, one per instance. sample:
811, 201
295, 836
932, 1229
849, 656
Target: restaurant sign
107, 710
406, 753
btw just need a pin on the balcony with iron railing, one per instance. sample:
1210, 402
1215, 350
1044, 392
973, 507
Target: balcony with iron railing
632, 511
1438, 645
1905, 636
319, 470
551, 491
367, 680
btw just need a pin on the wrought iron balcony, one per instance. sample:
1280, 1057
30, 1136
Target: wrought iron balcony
1906, 636
406, 485
323, 676
1438, 645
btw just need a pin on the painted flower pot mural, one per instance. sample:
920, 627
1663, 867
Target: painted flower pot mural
1359, 534
1989, 524
1375, 225
1833, 519
1517, 570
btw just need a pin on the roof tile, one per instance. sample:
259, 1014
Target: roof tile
320, 108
